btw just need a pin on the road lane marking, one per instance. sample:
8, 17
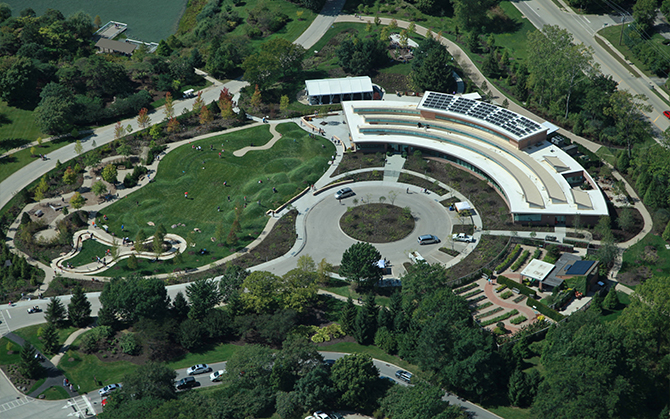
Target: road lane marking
656, 119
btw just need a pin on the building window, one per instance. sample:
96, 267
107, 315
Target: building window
527, 217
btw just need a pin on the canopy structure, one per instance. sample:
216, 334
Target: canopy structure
326, 91
462, 206
537, 270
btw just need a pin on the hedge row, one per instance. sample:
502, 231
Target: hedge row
473, 293
537, 253
552, 314
477, 299
513, 284
483, 306
501, 317
521, 260
519, 298
576, 243
466, 288
488, 313
518, 319
510, 258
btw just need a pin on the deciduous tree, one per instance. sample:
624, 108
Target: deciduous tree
109, 173
359, 264
357, 381
77, 201
143, 119
99, 188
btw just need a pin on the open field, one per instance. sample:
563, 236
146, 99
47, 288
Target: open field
148, 20
292, 164
17, 127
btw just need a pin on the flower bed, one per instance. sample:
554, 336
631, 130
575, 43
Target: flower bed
476, 300
484, 305
521, 260
537, 253
518, 319
473, 293
510, 258
501, 318
505, 295
519, 298
489, 313
501, 287
461, 290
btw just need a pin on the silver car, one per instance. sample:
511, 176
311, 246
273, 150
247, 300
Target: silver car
428, 239
344, 193
199, 369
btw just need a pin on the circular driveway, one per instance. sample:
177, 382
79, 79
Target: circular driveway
325, 239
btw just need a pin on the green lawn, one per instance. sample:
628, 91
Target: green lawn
17, 127
607, 154
81, 370
510, 412
16, 161
613, 34
9, 359
30, 334
292, 164
373, 351
55, 393
634, 256
515, 42
89, 250
218, 353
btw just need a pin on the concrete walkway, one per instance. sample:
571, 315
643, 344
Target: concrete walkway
393, 167
323, 21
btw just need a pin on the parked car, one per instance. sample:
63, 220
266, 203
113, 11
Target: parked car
185, 383
217, 375
667, 114
404, 375
550, 238
320, 415
344, 193
199, 369
462, 237
428, 239
106, 390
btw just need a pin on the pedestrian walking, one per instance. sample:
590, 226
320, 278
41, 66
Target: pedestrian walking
407, 190
228, 198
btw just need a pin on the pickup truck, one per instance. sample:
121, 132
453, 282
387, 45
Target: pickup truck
462, 237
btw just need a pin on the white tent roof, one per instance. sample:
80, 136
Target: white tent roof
344, 85
537, 269
462, 206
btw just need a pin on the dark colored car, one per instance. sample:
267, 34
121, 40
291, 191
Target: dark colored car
185, 383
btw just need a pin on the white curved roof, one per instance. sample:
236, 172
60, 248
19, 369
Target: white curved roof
532, 179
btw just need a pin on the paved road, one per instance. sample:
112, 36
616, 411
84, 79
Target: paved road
321, 24
323, 237
583, 28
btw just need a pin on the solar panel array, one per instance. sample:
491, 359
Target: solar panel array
507, 120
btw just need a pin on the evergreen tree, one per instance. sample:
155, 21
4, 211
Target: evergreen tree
29, 366
366, 321
55, 312
106, 316
79, 309
611, 300
516, 388
348, 317
666, 232
180, 307
50, 339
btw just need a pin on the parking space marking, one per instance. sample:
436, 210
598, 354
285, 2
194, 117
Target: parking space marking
15, 403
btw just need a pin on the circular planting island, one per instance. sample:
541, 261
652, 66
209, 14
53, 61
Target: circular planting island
377, 223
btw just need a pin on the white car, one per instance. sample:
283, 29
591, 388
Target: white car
106, 390
462, 237
343, 193
217, 375
199, 369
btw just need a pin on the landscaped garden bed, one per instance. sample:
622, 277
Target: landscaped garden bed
356, 160
450, 252
489, 313
277, 243
377, 223
422, 183
500, 318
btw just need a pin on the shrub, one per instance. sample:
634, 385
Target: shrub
489, 313
501, 317
483, 306
537, 253
130, 344
466, 288
472, 293
501, 287
519, 298
95, 340
510, 258
518, 319
505, 295
521, 260
513, 284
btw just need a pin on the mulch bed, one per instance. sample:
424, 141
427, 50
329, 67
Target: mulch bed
21, 383
359, 160
487, 249
377, 223
421, 183
277, 243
